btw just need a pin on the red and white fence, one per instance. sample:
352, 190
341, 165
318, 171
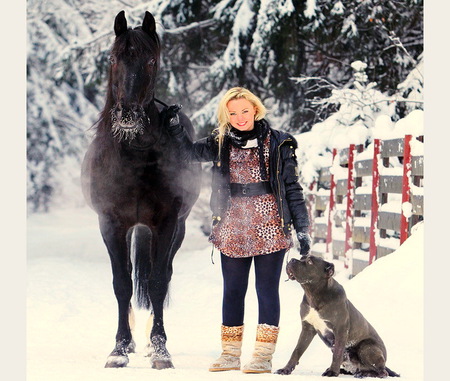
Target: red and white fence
365, 203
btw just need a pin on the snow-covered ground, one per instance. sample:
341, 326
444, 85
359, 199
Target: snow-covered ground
71, 308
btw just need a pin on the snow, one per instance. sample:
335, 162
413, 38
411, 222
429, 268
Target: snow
71, 308
361, 221
359, 66
65, 249
363, 190
412, 124
232, 57
407, 209
338, 8
383, 127
311, 8
392, 206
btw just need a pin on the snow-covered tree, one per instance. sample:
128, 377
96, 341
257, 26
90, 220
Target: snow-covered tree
339, 33
411, 91
67, 43
360, 105
58, 110
362, 113
208, 47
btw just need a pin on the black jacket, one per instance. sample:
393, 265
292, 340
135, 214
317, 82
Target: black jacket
282, 164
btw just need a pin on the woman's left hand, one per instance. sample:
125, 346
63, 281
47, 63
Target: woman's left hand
305, 242
172, 123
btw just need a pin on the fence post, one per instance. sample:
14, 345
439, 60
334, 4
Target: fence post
375, 201
311, 202
349, 212
405, 187
331, 205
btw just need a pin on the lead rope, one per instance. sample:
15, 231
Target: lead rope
212, 254
287, 261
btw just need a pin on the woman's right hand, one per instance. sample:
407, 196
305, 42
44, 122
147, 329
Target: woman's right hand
304, 240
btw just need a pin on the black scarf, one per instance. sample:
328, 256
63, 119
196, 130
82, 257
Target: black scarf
240, 139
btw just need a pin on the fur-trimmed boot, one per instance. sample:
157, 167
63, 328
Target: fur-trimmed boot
266, 340
231, 349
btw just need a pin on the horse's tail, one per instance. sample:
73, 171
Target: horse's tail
141, 242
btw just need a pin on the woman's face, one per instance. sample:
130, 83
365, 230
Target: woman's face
242, 114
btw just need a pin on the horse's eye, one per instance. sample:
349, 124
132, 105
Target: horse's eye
112, 60
152, 61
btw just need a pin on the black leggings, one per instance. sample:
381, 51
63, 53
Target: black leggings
235, 273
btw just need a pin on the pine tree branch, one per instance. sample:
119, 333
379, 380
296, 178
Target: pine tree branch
328, 82
183, 29
125, 3
194, 25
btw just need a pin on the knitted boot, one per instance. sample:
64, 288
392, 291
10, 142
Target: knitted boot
266, 340
231, 349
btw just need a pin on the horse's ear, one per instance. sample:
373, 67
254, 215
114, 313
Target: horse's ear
120, 24
149, 25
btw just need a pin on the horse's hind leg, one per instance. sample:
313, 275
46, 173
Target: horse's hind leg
131, 317
114, 237
132, 321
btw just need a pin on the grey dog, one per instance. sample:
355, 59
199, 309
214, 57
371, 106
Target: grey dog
357, 348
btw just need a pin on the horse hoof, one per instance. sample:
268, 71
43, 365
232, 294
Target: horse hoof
116, 362
160, 358
162, 364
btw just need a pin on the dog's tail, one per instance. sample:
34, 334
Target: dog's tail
392, 373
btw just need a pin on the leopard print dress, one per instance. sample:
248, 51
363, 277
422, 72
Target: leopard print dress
252, 225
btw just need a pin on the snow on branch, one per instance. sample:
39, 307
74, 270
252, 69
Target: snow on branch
398, 43
194, 25
303, 79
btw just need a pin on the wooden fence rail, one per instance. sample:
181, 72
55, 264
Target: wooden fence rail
365, 203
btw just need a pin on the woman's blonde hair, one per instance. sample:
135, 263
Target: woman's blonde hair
223, 115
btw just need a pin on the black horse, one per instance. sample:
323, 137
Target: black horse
133, 178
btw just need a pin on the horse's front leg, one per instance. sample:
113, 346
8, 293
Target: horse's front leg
160, 357
165, 248
115, 237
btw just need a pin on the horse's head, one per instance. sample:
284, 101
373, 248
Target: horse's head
134, 63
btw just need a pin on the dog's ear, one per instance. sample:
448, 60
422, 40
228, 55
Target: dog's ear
329, 269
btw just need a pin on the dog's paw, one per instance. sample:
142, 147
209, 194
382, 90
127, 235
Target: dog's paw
330, 373
285, 371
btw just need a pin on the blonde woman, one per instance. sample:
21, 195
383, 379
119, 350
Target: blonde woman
256, 199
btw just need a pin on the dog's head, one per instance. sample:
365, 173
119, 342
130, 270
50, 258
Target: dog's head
309, 270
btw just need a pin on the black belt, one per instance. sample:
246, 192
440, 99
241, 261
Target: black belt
250, 189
